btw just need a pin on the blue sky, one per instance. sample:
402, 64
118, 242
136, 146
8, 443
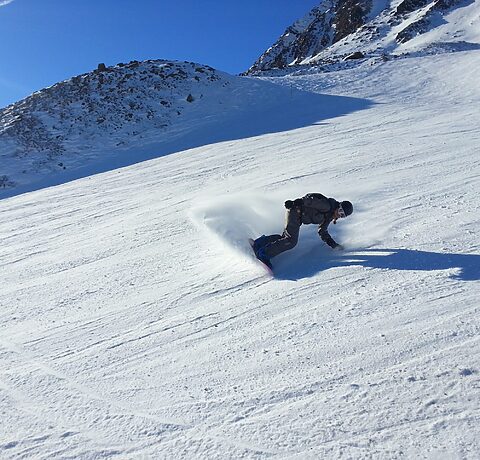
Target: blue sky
46, 41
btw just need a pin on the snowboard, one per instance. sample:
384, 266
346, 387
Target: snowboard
268, 269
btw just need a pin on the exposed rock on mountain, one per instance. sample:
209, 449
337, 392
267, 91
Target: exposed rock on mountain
339, 30
110, 107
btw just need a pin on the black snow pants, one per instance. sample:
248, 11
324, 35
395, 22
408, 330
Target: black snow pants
276, 244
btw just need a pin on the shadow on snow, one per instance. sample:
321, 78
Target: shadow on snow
308, 264
296, 109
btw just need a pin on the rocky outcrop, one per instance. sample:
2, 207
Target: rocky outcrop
350, 15
422, 24
325, 25
305, 37
341, 30
111, 107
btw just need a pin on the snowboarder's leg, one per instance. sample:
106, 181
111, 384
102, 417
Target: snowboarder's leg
288, 239
263, 240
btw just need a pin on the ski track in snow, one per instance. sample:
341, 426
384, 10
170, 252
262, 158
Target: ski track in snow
135, 322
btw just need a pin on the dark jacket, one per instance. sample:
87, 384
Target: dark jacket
318, 209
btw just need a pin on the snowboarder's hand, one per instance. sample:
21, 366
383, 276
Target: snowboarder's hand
338, 247
298, 203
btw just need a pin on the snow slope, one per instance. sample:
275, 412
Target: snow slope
135, 324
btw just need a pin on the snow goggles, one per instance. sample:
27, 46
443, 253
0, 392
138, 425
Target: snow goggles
341, 212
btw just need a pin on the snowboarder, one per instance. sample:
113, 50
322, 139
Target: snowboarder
313, 208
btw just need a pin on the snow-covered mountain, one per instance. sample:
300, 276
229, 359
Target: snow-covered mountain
127, 113
72, 122
343, 31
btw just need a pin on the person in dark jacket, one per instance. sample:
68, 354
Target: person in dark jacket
313, 208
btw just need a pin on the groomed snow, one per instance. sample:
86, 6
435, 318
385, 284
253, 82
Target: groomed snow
134, 323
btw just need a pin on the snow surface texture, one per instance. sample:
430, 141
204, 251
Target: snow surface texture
134, 323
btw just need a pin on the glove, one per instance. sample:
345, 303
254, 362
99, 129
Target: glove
338, 247
298, 203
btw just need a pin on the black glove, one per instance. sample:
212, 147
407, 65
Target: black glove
298, 203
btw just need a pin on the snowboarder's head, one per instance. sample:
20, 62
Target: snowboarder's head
344, 209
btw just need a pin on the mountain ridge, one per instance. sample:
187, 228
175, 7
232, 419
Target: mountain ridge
341, 31
114, 104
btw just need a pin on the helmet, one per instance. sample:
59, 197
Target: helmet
347, 207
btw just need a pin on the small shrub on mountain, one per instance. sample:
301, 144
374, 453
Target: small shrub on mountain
6, 182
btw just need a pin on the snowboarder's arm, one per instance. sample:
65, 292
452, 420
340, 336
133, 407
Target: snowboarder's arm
325, 236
